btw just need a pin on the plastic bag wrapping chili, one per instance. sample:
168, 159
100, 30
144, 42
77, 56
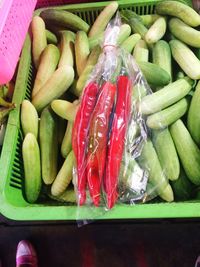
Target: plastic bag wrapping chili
110, 138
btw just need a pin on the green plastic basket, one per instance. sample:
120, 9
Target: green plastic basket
12, 203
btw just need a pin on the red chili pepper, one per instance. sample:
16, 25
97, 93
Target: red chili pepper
80, 134
98, 137
117, 138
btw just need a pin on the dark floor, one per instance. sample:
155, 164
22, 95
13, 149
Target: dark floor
126, 244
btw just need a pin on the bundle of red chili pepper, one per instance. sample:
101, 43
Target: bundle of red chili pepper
99, 136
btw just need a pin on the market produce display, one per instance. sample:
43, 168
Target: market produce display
65, 49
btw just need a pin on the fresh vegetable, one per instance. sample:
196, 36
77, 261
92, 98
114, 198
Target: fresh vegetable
193, 120
32, 169
66, 145
148, 20
186, 59
156, 31
130, 42
67, 39
51, 37
188, 151
117, 138
83, 78
166, 96
48, 145
79, 136
55, 86
64, 18
64, 176
141, 52
102, 20
167, 116
167, 154
81, 51
64, 109
184, 32
29, 118
97, 143
179, 10
48, 63
39, 39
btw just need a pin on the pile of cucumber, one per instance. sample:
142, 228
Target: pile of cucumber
65, 49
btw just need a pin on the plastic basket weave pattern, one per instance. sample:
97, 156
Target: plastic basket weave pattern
15, 16
12, 202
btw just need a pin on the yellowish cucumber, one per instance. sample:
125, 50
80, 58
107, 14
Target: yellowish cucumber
130, 42
187, 150
185, 58
162, 56
141, 51
64, 109
193, 120
48, 63
82, 51
179, 10
93, 56
66, 145
64, 176
102, 20
68, 196
167, 154
29, 118
39, 39
167, 116
166, 96
54, 87
32, 169
66, 46
64, 19
156, 31
148, 20
82, 80
48, 145
149, 161
184, 32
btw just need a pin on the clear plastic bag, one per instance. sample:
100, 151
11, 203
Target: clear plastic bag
110, 138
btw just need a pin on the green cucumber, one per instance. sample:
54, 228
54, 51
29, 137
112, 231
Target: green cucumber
32, 169
130, 42
165, 117
141, 52
187, 150
156, 31
51, 37
166, 96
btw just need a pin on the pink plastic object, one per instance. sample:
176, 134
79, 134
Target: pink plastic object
47, 3
15, 17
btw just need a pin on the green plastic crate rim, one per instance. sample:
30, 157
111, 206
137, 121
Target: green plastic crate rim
12, 203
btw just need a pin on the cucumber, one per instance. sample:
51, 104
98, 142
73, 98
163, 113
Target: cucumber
64, 18
68, 196
66, 145
48, 145
156, 31
141, 52
29, 118
148, 20
184, 33
93, 56
95, 40
166, 96
193, 120
167, 154
66, 45
51, 37
54, 87
64, 176
62, 124
103, 19
130, 42
64, 109
149, 161
32, 169
182, 187
186, 59
165, 117
39, 39
48, 63
150, 72
179, 10
125, 31
82, 51
82, 80
162, 56
187, 150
